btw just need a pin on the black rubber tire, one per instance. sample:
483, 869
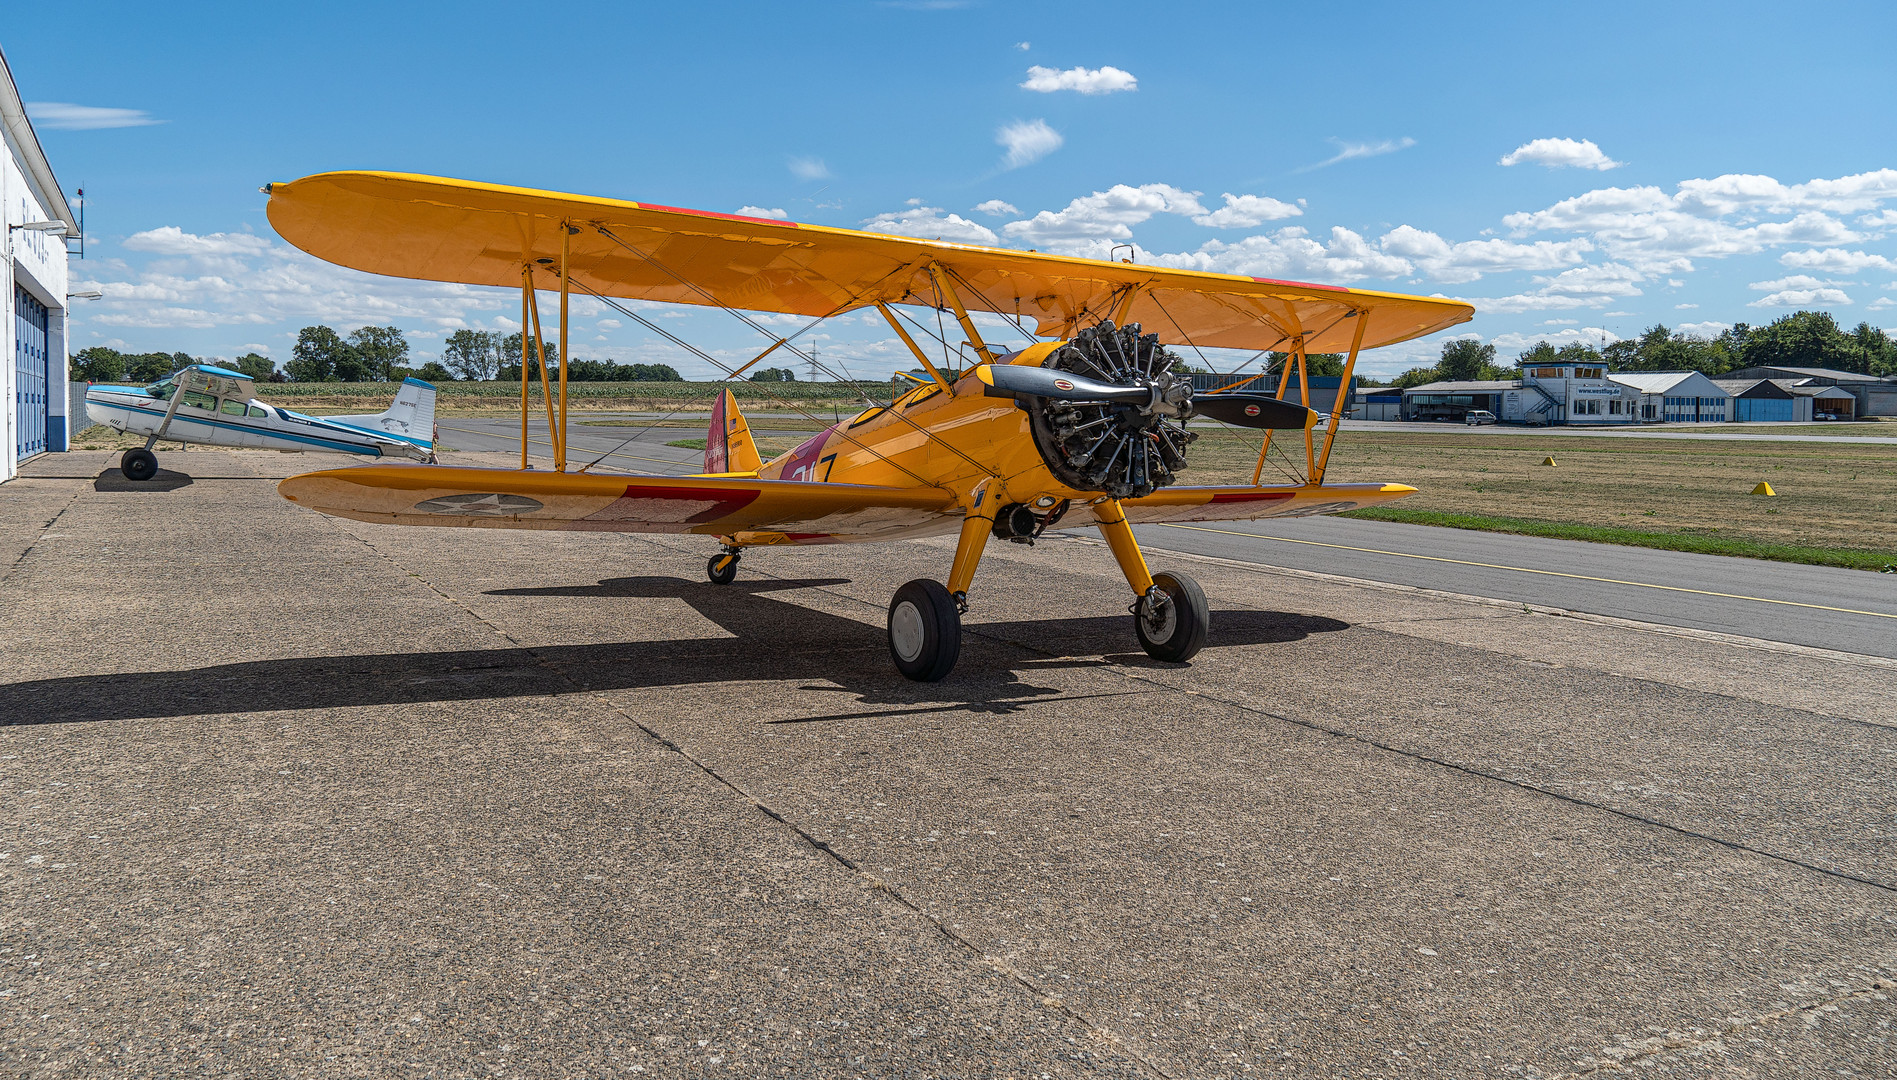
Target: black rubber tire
724, 575
925, 631
138, 464
1180, 635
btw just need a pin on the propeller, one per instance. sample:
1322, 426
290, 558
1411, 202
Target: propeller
1014, 380
1239, 410
1254, 411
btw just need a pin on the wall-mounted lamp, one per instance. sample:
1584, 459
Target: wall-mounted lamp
89, 294
57, 228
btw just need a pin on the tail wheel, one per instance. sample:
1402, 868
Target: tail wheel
925, 631
138, 464
1172, 619
722, 569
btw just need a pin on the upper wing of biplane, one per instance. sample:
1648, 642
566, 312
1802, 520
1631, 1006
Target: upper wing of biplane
436, 229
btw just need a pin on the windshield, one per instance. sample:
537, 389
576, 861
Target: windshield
162, 389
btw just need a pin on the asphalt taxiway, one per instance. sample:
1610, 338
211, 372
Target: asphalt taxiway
290, 795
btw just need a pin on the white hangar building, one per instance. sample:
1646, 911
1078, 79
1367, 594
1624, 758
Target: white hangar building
1678, 397
33, 378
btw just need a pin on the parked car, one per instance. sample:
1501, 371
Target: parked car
1479, 416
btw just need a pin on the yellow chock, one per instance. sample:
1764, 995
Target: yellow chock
1763, 489
1547, 461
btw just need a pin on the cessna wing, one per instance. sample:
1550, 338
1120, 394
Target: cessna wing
436, 229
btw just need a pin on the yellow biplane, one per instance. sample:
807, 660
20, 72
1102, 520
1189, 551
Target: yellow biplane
1087, 426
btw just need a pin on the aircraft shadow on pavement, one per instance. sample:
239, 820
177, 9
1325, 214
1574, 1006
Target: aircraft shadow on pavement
772, 640
166, 480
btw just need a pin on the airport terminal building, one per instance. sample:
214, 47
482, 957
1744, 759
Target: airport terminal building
33, 378
1557, 393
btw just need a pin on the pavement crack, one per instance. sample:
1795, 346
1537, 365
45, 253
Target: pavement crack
1467, 770
1049, 999
1637, 1053
20, 561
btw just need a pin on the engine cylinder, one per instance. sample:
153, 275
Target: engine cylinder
1122, 450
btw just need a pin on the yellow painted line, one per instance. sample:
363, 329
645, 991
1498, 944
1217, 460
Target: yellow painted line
1545, 573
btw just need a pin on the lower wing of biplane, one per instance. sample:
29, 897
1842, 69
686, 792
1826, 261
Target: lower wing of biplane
751, 512
1086, 429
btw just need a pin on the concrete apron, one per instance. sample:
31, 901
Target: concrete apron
283, 792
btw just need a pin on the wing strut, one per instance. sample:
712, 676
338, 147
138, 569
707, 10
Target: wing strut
1337, 405
947, 289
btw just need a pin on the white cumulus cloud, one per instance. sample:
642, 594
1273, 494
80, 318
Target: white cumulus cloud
1705, 331
171, 240
1292, 253
1836, 261
759, 211
1457, 264
1101, 80
930, 223
1561, 154
1027, 141
1799, 290
1246, 211
1109, 214
996, 207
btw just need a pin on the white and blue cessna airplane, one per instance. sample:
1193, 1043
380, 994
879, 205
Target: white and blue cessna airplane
217, 406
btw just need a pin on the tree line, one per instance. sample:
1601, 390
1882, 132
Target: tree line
372, 354
1811, 339
380, 354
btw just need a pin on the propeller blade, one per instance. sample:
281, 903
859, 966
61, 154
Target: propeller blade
1254, 411
1015, 380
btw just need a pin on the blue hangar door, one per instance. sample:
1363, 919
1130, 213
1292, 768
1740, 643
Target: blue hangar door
1762, 409
30, 409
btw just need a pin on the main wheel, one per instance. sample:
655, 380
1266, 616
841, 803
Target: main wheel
925, 631
722, 569
1173, 630
138, 464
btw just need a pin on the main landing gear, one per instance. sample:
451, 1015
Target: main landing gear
138, 464
1170, 616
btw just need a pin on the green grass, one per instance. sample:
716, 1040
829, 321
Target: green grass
688, 444
1699, 543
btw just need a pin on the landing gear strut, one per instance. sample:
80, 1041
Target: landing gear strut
138, 464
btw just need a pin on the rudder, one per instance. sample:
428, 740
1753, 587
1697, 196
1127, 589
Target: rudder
729, 447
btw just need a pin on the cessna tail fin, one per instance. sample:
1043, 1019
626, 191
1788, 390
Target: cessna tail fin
411, 418
729, 447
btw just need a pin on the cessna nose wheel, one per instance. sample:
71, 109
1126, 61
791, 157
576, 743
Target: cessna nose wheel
138, 464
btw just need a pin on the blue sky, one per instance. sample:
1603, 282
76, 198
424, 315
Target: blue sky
1687, 164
